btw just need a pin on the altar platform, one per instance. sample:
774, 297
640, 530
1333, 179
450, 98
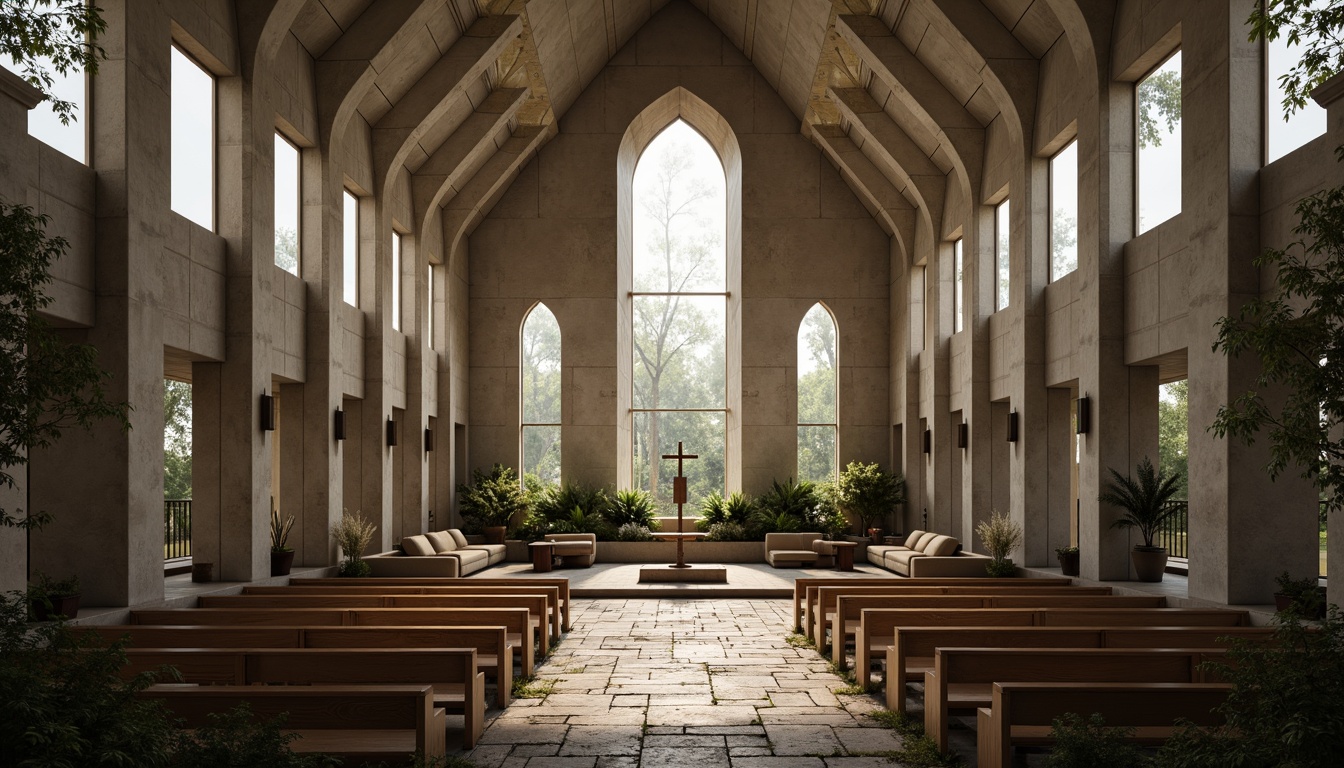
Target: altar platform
745, 580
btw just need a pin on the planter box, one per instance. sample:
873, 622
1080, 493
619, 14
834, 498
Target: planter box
666, 551
669, 525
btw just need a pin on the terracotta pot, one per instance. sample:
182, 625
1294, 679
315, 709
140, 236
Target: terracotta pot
495, 534
1069, 563
1149, 562
281, 562
65, 605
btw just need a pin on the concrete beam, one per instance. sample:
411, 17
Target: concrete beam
469, 206
893, 212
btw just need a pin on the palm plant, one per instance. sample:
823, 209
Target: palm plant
715, 509
1144, 500
786, 507
631, 506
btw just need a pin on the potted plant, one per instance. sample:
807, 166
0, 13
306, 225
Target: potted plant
1069, 560
282, 556
491, 502
353, 534
867, 493
50, 599
1301, 596
1000, 536
1144, 501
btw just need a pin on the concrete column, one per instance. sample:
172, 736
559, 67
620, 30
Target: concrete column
1058, 470
1244, 529
904, 389
1030, 271
976, 471
105, 487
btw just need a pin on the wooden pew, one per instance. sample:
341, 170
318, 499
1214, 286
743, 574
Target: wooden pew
516, 621
878, 625
819, 606
554, 601
1022, 713
800, 586
911, 653
849, 611
458, 687
357, 723
494, 652
961, 678
535, 604
560, 583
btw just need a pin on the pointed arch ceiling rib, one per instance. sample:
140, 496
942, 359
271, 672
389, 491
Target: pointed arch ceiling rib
896, 93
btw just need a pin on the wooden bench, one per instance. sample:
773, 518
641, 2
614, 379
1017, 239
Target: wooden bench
849, 611
494, 652
1023, 713
356, 723
910, 654
458, 687
560, 583
819, 608
535, 605
800, 586
554, 602
516, 621
878, 625
961, 678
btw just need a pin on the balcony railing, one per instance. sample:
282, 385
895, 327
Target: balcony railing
176, 528
1174, 533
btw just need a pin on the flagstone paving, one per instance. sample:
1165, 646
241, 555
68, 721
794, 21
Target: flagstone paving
670, 683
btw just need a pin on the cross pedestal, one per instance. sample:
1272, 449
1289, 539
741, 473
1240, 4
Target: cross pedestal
681, 571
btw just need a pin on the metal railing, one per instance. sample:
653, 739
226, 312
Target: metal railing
1174, 533
176, 528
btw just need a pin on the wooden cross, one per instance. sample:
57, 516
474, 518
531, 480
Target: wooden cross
679, 497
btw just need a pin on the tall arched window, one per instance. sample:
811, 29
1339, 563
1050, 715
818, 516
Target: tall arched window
679, 315
539, 441
818, 363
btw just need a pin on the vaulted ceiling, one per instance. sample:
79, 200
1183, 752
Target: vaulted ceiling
898, 93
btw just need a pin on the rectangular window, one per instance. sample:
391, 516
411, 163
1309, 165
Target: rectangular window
350, 247
396, 281
1159, 137
1064, 211
958, 301
192, 140
286, 205
1002, 263
1286, 132
429, 307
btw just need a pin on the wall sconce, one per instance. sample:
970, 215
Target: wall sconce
928, 441
338, 424
963, 435
429, 440
1084, 411
1012, 426
391, 432
267, 407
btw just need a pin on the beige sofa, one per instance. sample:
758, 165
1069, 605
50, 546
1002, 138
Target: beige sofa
575, 549
791, 550
439, 553
928, 554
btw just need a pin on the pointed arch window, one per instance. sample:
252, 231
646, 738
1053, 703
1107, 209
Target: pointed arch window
539, 438
818, 364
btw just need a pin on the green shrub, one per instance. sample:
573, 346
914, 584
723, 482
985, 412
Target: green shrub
633, 532
493, 499
237, 738
786, 508
631, 506
1089, 743
570, 508
727, 532
715, 509
867, 493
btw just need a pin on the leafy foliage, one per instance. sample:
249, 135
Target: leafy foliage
280, 528
62, 34
49, 385
715, 509
1144, 500
727, 531
541, 376
1315, 25
1297, 334
176, 440
238, 739
1089, 743
867, 493
918, 750
353, 534
1173, 454
787, 507
1159, 105
1305, 596
631, 507
493, 499
1000, 536
633, 532
1284, 708
568, 508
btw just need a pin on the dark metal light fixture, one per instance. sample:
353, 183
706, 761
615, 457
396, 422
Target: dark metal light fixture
1012, 426
267, 408
928, 441
963, 435
429, 440
391, 432
1084, 410
338, 424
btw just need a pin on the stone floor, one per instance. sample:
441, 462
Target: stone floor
670, 683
